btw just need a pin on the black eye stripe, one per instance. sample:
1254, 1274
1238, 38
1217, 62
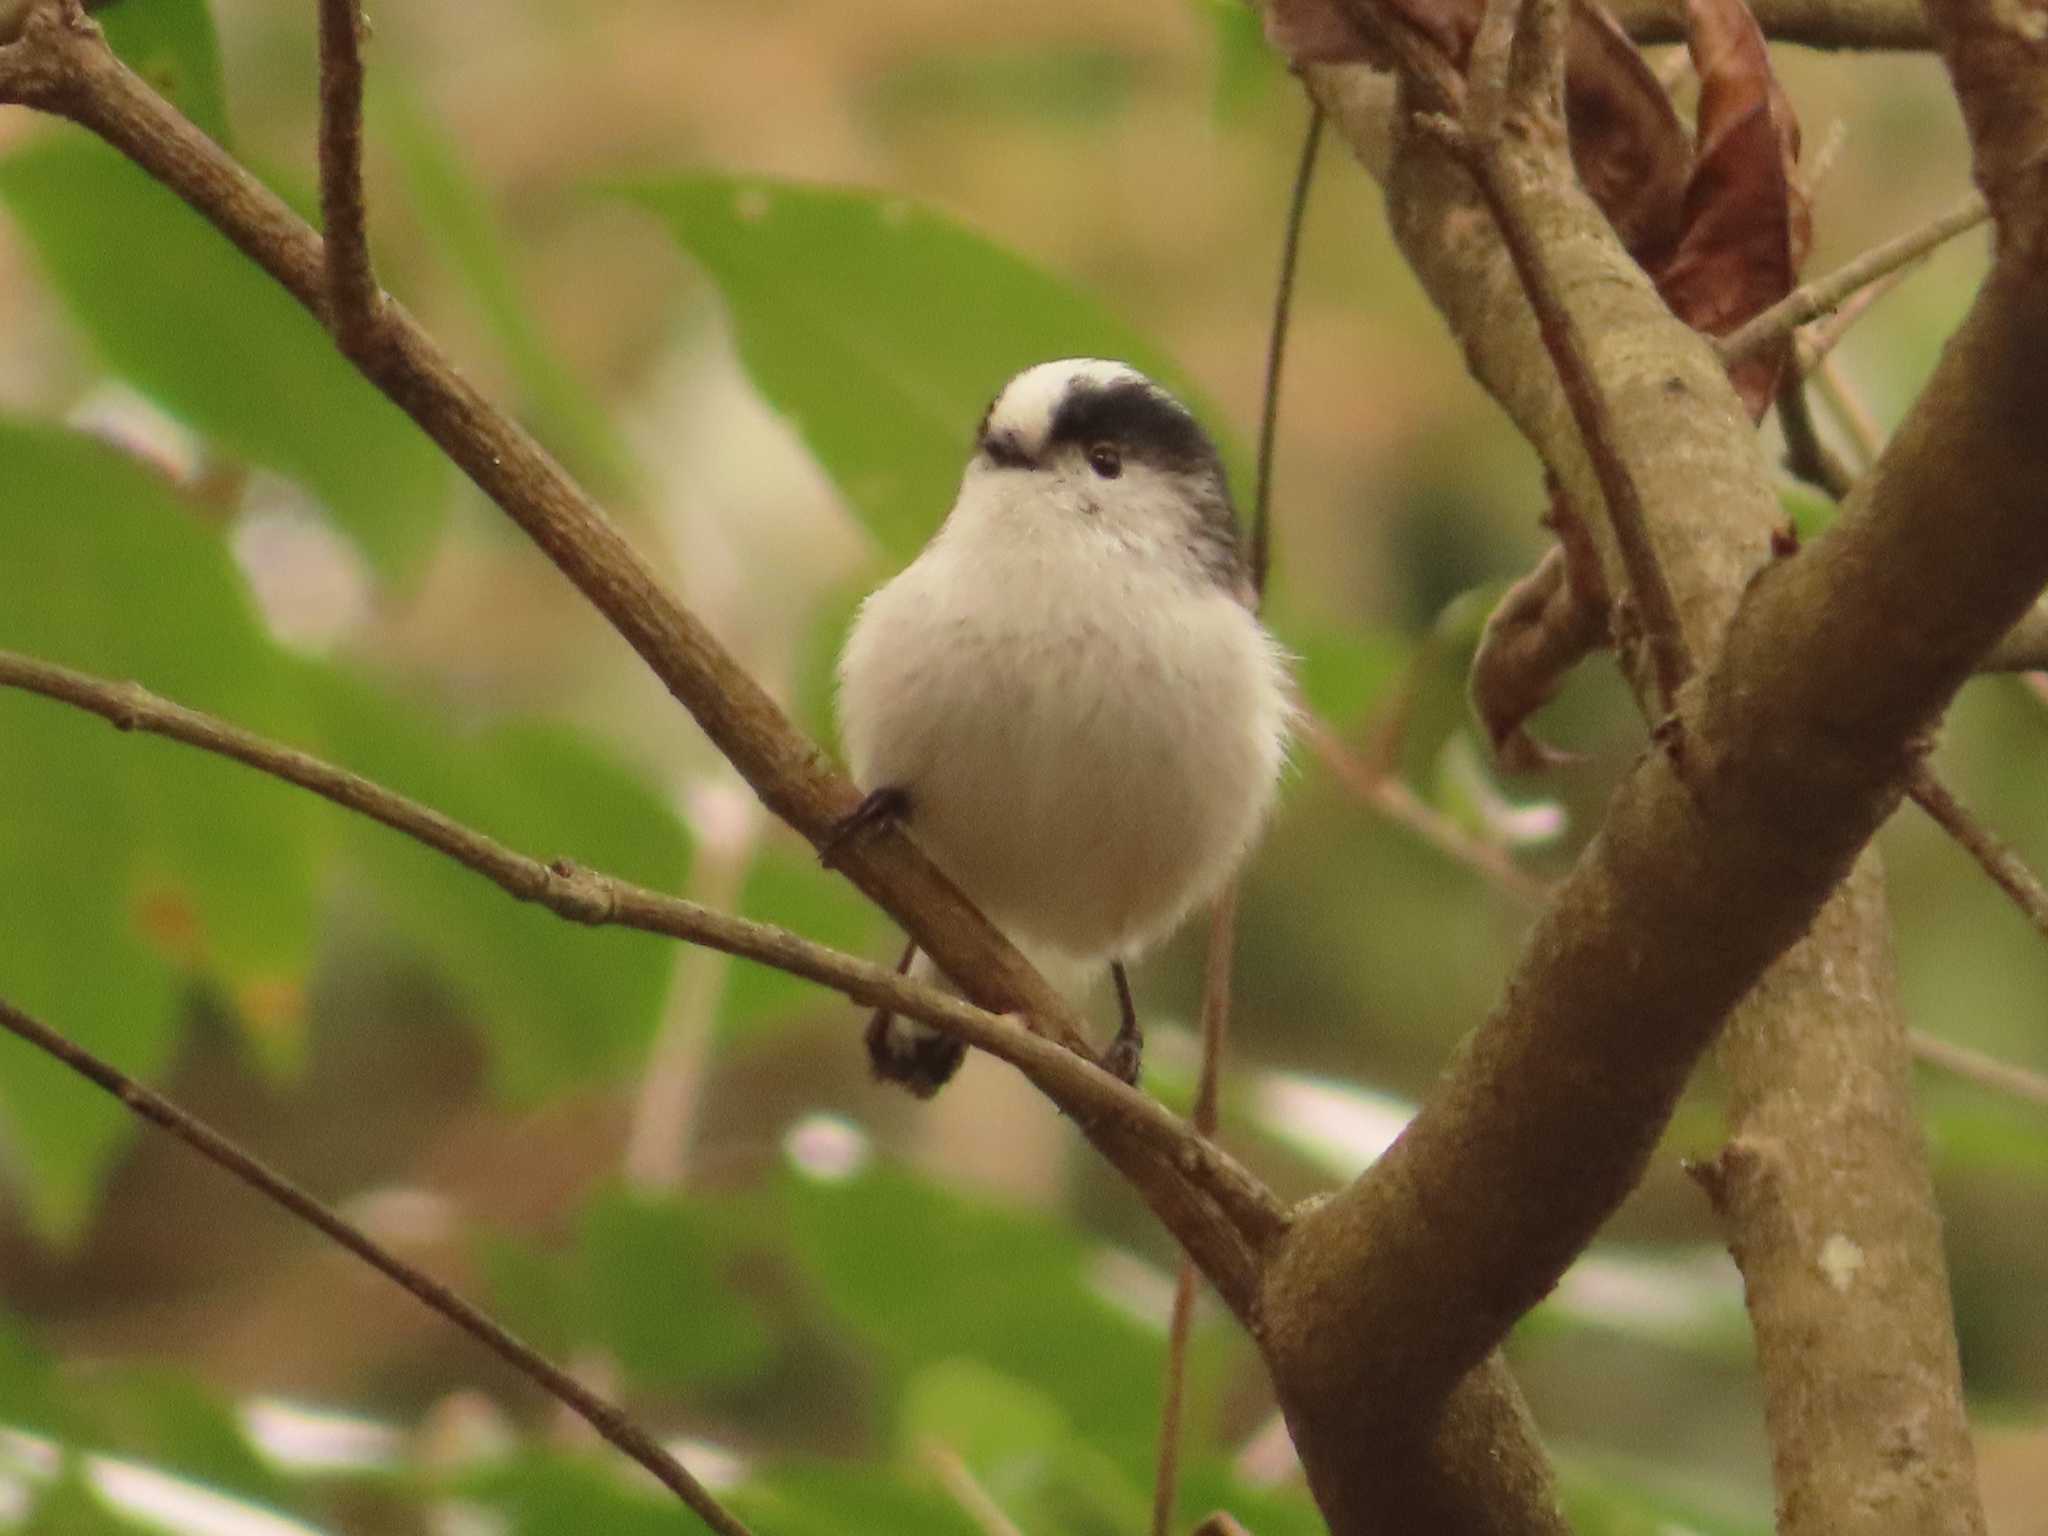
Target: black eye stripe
1146, 423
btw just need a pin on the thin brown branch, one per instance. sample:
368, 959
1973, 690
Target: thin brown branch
2008, 871
1855, 417
1986, 1071
61, 64
354, 301
1276, 349
1812, 343
1849, 25
1822, 296
1806, 456
602, 1416
589, 897
1208, 1097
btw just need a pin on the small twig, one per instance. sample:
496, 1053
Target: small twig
965, 1489
1810, 300
589, 897
354, 301
602, 1416
1805, 454
1276, 349
1849, 410
1393, 799
2006, 869
1811, 343
1219, 1524
1983, 1070
1208, 1096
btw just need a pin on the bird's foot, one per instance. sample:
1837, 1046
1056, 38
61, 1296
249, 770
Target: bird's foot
885, 806
1126, 1054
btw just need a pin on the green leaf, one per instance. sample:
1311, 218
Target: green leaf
559, 1496
819, 1498
456, 216
561, 1003
786, 886
1605, 1501
1346, 675
185, 318
142, 862
648, 1283
881, 329
172, 44
162, 1417
1245, 66
923, 1275
1021, 1449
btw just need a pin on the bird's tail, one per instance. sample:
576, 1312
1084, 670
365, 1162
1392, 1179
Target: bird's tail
908, 1053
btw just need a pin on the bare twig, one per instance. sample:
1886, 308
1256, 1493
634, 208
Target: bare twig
1806, 456
965, 1489
1855, 417
1208, 1094
1813, 342
602, 1416
1276, 349
2008, 871
1830, 24
1810, 300
1984, 1070
354, 301
589, 897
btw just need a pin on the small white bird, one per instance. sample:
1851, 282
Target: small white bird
1067, 699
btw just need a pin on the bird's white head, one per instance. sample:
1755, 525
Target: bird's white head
1096, 447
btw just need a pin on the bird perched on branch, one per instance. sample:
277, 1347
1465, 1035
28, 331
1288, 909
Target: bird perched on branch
1067, 699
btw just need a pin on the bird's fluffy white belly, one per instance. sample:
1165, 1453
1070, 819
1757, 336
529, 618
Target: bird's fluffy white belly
1065, 748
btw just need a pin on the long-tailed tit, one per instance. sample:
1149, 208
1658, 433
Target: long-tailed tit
1067, 699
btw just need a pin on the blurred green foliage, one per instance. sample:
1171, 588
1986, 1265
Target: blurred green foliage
847, 1336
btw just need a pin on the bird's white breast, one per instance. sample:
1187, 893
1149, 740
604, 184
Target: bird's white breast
1089, 745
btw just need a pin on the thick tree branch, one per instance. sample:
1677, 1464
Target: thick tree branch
61, 64
602, 1416
589, 897
1697, 882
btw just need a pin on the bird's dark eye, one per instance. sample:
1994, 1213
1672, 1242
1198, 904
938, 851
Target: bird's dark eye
1104, 459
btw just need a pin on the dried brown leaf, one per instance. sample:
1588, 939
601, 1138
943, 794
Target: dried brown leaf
1747, 223
1542, 627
